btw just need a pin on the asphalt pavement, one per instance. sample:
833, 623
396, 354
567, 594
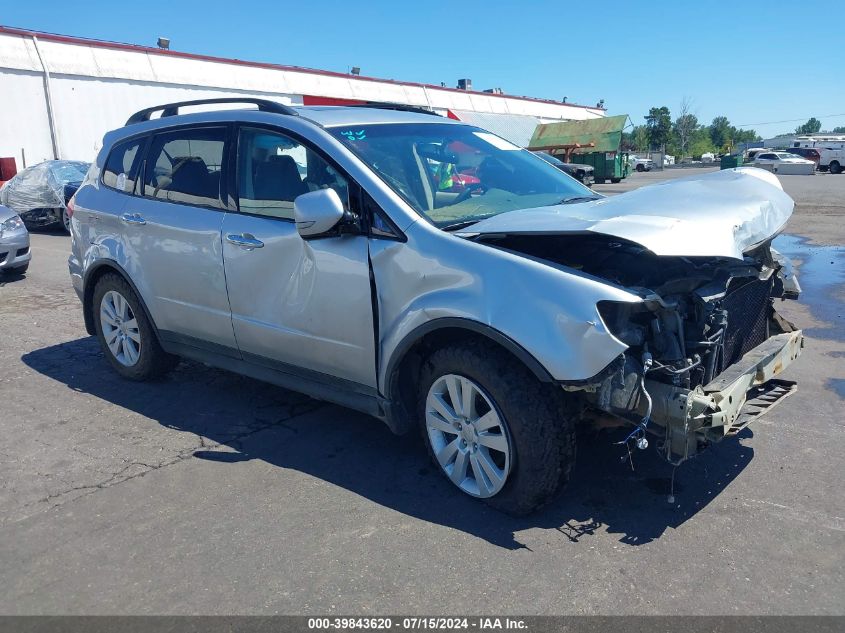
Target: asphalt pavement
209, 493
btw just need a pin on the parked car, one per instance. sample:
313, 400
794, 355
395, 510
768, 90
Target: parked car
489, 319
751, 154
784, 163
580, 172
14, 243
39, 194
641, 164
807, 153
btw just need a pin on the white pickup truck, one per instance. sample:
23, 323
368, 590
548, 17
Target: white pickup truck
641, 164
832, 160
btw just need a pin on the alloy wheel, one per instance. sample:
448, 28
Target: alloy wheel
120, 328
468, 435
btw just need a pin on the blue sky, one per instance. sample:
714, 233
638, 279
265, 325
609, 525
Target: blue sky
754, 62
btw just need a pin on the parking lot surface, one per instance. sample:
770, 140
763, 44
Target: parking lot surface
209, 493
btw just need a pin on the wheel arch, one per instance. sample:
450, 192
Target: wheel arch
402, 370
93, 275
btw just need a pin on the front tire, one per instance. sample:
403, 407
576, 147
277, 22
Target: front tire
126, 336
65, 221
493, 429
834, 167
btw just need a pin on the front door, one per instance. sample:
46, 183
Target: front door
302, 306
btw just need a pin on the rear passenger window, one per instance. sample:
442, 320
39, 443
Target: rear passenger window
122, 166
185, 166
274, 169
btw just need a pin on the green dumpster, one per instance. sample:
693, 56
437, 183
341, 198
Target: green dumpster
595, 142
729, 161
612, 166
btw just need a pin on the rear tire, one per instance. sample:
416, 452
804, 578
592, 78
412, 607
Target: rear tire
132, 348
835, 167
536, 422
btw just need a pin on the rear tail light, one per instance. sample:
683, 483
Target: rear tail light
70, 205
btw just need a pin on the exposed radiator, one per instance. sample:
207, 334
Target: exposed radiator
748, 318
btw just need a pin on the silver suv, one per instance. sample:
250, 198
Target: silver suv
436, 276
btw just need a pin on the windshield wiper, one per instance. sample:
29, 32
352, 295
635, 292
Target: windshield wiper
576, 199
459, 225
465, 223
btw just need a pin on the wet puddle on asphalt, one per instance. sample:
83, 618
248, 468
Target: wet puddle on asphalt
821, 273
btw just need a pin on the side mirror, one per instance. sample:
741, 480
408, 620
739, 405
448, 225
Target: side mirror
317, 212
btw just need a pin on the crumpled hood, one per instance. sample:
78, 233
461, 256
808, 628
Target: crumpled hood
719, 214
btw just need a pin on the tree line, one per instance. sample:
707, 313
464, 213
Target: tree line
813, 126
685, 135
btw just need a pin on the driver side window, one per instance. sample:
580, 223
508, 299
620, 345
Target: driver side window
273, 169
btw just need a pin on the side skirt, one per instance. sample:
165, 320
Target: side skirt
314, 384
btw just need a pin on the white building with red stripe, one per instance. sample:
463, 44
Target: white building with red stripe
60, 94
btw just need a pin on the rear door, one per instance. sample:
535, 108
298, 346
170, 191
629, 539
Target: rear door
297, 306
172, 232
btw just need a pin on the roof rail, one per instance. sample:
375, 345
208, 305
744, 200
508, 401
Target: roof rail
172, 109
385, 105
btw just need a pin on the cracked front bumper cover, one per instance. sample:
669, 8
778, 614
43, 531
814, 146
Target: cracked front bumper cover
743, 392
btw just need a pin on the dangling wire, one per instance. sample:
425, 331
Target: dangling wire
638, 434
671, 498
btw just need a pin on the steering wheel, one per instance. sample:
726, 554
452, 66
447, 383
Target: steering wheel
468, 191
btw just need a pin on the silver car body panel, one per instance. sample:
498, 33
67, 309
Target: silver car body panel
302, 303
177, 259
720, 214
548, 311
12, 242
177, 267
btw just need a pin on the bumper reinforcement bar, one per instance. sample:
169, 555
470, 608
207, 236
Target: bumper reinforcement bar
742, 393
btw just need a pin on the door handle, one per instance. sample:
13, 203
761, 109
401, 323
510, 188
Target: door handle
133, 218
244, 240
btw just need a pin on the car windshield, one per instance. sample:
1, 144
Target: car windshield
69, 171
455, 174
551, 160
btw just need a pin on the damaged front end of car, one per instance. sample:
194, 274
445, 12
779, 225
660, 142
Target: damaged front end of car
705, 343
702, 361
